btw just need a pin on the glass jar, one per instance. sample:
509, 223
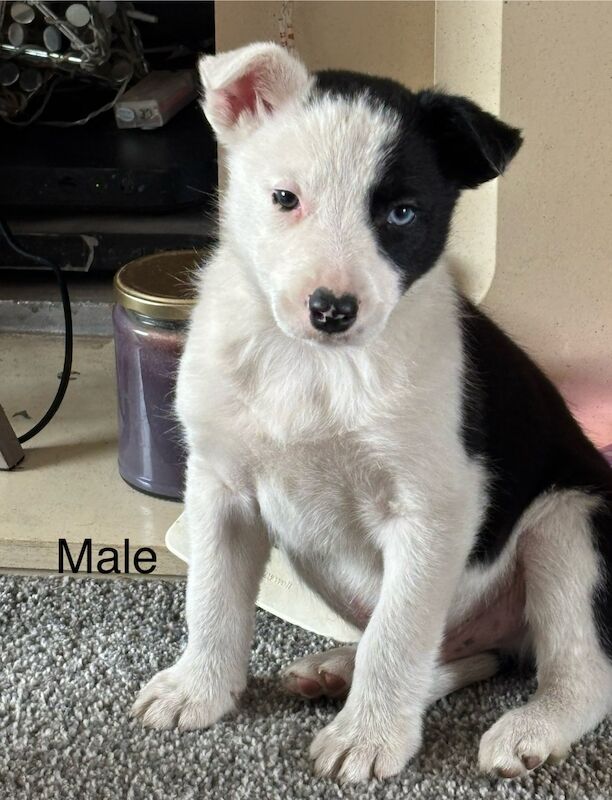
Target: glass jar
154, 296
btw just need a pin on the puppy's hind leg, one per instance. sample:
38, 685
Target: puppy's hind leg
563, 570
330, 673
455, 675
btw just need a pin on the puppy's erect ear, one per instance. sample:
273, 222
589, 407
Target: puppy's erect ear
243, 86
471, 145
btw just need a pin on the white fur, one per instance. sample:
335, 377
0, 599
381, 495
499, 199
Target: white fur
347, 454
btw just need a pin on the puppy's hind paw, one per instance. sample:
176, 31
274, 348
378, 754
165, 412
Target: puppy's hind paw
326, 674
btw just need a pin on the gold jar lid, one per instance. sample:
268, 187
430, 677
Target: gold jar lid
160, 285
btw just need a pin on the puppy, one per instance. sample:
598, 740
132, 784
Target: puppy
342, 401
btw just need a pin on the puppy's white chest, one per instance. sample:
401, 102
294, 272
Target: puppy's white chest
316, 505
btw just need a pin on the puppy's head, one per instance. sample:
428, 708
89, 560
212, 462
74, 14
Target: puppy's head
341, 186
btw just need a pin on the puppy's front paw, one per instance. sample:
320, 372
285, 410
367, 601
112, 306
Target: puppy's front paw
181, 697
349, 751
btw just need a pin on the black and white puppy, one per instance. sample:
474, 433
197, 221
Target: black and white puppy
344, 402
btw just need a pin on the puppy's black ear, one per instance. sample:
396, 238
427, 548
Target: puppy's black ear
471, 145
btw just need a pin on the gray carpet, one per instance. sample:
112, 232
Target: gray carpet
74, 653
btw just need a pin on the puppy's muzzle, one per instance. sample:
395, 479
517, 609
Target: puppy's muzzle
332, 314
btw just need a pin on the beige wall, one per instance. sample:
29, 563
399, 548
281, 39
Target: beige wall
553, 281
385, 38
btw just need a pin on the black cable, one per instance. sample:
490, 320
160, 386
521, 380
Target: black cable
65, 377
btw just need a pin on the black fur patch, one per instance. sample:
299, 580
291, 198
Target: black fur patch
411, 176
472, 146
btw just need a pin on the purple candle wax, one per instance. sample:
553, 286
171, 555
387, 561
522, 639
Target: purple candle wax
151, 457
153, 302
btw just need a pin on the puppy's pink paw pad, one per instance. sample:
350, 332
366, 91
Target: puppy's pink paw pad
308, 687
328, 673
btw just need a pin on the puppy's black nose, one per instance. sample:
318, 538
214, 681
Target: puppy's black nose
332, 314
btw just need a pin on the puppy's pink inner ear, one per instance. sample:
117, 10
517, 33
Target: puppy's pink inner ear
239, 97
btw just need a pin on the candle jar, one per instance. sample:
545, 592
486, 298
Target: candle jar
153, 299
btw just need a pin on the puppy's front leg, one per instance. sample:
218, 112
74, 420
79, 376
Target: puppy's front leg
228, 551
379, 728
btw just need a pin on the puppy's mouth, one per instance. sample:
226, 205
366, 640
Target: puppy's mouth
337, 339
355, 335
302, 329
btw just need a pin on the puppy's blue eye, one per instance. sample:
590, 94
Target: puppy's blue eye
401, 215
286, 200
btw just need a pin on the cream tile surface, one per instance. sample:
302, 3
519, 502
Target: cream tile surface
68, 485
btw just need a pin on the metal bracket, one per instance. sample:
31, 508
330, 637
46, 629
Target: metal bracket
11, 452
